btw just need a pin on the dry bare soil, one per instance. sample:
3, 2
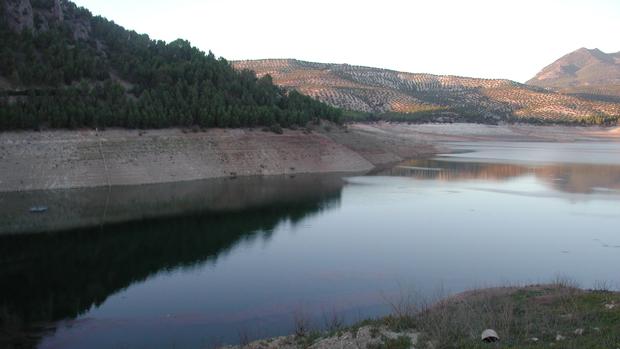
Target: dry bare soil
87, 158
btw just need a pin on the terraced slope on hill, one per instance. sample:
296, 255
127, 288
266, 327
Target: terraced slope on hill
426, 96
592, 73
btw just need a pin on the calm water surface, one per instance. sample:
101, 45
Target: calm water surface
500, 213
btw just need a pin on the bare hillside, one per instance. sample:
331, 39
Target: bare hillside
584, 72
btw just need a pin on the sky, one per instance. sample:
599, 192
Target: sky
511, 39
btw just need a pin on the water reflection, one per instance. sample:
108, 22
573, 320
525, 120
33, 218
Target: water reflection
50, 277
168, 266
81, 208
569, 178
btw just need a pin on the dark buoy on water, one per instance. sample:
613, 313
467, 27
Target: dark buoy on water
38, 209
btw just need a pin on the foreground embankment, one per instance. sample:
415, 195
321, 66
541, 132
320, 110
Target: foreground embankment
539, 316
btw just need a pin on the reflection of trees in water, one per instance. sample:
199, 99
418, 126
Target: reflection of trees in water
82, 208
453, 171
50, 277
571, 178
581, 178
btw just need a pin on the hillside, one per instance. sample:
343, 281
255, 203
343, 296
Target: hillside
590, 73
62, 67
382, 93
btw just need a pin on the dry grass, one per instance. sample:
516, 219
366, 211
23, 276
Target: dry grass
556, 315
524, 317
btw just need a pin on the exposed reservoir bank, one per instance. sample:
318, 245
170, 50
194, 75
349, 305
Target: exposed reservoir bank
88, 158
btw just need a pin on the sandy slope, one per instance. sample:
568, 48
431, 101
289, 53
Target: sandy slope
438, 133
74, 159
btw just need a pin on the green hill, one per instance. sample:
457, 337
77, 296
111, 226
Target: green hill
62, 67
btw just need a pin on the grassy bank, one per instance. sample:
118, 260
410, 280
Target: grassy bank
541, 316
529, 317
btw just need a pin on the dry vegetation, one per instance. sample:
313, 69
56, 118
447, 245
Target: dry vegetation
541, 316
373, 90
538, 316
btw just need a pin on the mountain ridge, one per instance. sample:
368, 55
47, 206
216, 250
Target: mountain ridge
432, 97
60, 66
583, 72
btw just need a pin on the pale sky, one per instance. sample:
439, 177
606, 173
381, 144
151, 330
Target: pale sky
511, 39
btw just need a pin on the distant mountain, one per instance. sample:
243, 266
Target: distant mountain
590, 73
406, 96
62, 67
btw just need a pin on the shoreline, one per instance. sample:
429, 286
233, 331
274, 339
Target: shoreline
377, 144
533, 316
63, 159
88, 208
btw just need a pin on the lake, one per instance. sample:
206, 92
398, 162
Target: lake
200, 264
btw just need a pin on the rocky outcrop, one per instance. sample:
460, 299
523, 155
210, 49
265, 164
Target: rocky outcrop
21, 15
80, 28
18, 15
48, 16
56, 10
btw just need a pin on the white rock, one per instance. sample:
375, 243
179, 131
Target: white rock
559, 337
579, 331
489, 336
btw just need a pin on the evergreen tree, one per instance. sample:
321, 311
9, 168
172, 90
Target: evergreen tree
120, 78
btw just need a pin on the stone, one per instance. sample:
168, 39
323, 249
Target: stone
19, 15
489, 336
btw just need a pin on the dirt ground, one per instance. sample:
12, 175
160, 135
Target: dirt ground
64, 159
439, 133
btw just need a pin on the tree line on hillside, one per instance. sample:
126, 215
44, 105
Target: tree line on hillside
116, 77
